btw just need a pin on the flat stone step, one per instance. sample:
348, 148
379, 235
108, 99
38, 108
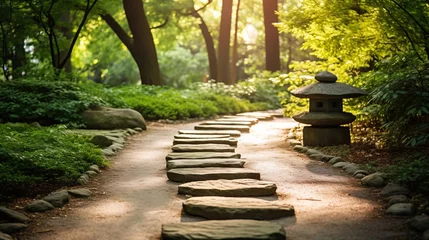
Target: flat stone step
230, 141
202, 148
243, 129
211, 173
224, 230
232, 133
196, 136
237, 119
201, 163
221, 208
243, 123
258, 115
201, 155
229, 188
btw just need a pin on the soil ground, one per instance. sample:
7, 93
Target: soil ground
133, 197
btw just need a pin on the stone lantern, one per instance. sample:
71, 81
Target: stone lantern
326, 111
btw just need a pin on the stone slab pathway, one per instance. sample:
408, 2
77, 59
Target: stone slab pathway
230, 141
196, 136
219, 208
238, 119
232, 133
200, 163
202, 148
229, 188
224, 230
200, 155
240, 123
243, 129
201, 174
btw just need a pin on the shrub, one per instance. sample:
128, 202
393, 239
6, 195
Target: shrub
31, 155
412, 172
45, 102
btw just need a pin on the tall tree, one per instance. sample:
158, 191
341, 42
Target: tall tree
141, 44
235, 46
223, 44
272, 43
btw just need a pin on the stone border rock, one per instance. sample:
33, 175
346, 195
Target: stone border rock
396, 196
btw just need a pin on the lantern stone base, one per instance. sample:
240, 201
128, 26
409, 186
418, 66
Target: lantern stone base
326, 136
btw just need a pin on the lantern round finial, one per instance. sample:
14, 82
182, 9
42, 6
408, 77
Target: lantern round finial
326, 77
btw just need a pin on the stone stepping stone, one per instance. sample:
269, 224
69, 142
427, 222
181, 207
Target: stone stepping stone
224, 230
258, 115
201, 163
221, 208
202, 148
196, 136
201, 155
237, 119
230, 141
232, 133
243, 123
229, 188
210, 173
243, 129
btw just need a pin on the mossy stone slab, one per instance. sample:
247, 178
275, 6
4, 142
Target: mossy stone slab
221, 208
224, 230
232, 133
196, 136
210, 173
230, 141
201, 155
243, 129
243, 123
202, 148
201, 163
229, 188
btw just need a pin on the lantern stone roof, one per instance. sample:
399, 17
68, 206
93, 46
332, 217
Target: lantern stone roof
327, 87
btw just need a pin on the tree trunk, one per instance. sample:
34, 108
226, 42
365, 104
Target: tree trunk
234, 47
211, 52
65, 29
223, 45
142, 48
272, 43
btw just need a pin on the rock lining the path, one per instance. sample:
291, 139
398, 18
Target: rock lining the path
12, 227
202, 148
58, 199
12, 216
39, 206
394, 189
230, 141
201, 155
224, 230
202, 174
196, 136
397, 199
232, 133
80, 192
401, 209
4, 236
229, 188
335, 160
373, 180
300, 149
419, 223
221, 208
214, 162
243, 129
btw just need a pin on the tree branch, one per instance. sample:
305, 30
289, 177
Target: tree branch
162, 24
117, 29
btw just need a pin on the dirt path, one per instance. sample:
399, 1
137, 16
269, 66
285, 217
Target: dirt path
134, 197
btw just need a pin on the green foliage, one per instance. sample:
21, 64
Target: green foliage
44, 102
30, 155
412, 172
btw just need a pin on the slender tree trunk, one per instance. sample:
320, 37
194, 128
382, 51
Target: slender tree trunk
142, 48
19, 59
235, 46
223, 45
65, 29
272, 43
211, 52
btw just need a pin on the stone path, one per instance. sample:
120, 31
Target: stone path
221, 183
135, 200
